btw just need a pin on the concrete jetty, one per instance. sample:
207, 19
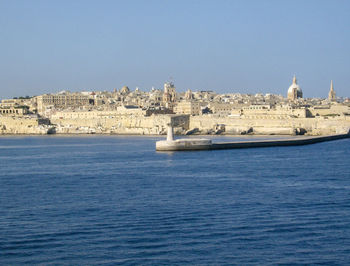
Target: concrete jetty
274, 143
204, 144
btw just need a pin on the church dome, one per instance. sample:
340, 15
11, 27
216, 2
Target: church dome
125, 90
294, 91
294, 86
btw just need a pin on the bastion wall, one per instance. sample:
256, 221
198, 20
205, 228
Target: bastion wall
22, 125
237, 125
121, 124
157, 124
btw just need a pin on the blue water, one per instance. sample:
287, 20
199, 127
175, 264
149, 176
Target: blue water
114, 200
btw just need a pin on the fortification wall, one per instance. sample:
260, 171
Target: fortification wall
331, 111
236, 125
157, 124
121, 124
22, 125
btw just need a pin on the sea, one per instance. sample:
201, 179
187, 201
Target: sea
114, 200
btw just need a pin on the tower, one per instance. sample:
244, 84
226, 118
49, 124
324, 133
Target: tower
331, 94
169, 95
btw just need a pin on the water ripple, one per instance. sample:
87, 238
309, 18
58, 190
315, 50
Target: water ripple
114, 200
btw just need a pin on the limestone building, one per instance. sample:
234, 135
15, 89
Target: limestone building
224, 109
188, 107
14, 107
61, 100
13, 110
294, 91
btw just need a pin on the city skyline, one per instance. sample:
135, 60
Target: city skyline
92, 91
225, 46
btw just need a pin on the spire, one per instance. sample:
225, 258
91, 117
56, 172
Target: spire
331, 94
294, 80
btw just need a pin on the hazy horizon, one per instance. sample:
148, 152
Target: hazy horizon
225, 46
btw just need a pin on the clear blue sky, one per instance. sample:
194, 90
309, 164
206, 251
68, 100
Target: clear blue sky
227, 46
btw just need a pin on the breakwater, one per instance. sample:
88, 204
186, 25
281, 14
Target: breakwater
273, 143
192, 145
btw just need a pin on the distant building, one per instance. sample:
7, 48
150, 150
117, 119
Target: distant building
13, 110
223, 108
130, 110
63, 100
188, 108
294, 91
189, 95
125, 90
11, 107
331, 94
169, 95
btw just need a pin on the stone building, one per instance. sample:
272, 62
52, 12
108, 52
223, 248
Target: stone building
14, 107
13, 110
223, 108
188, 107
267, 111
61, 100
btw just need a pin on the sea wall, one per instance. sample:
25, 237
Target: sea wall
157, 124
23, 125
237, 125
121, 124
